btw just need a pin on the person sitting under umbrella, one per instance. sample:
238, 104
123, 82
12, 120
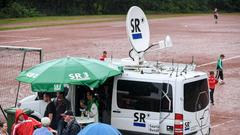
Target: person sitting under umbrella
72, 127
82, 108
92, 106
61, 104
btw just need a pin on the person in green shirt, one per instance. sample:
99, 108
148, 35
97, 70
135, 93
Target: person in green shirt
219, 74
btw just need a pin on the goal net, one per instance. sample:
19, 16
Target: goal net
13, 60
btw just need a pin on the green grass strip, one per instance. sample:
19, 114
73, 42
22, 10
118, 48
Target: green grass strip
49, 21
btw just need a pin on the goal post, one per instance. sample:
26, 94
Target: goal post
13, 60
24, 49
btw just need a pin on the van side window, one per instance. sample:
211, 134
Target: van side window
196, 95
145, 96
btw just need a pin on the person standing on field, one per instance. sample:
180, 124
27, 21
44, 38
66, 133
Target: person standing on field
219, 74
215, 14
104, 56
212, 81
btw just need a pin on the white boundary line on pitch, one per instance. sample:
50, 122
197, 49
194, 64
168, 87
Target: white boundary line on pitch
214, 62
19, 41
17, 30
222, 123
222, 117
10, 36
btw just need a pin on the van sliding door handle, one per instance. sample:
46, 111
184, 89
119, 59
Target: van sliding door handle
116, 111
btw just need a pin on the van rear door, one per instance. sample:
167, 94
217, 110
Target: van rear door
196, 107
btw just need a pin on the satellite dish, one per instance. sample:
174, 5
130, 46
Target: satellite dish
137, 29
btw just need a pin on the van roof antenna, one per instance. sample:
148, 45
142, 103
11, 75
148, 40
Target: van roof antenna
160, 67
111, 58
192, 60
184, 70
172, 72
157, 67
172, 63
177, 71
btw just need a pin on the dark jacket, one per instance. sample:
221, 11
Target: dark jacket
72, 128
61, 107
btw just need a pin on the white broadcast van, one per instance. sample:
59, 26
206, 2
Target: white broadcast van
149, 97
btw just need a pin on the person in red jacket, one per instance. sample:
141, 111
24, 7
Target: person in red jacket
23, 124
212, 81
104, 56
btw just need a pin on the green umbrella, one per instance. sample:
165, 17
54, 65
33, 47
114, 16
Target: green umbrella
50, 76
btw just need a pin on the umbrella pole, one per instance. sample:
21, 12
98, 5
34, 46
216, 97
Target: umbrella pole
3, 112
23, 61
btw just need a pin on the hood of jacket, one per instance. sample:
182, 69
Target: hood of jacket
18, 113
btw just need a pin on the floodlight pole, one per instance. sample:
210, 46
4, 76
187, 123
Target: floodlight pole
23, 61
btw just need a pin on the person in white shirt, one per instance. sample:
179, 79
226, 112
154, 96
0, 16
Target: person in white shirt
92, 106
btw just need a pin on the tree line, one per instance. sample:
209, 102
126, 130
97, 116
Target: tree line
28, 8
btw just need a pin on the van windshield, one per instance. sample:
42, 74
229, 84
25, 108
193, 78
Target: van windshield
196, 95
145, 96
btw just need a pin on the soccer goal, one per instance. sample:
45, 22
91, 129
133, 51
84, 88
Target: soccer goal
14, 59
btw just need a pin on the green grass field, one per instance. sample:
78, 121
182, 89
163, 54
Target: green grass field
33, 22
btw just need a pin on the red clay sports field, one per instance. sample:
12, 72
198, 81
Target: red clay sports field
196, 36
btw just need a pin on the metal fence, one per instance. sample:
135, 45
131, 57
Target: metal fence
12, 61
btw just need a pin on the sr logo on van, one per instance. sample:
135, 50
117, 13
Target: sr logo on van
139, 119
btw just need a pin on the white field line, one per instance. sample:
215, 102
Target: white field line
222, 123
10, 36
27, 29
214, 62
19, 41
221, 117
